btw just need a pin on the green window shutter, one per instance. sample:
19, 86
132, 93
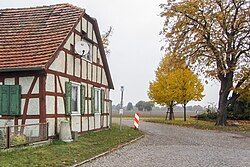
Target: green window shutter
82, 99
4, 100
92, 100
102, 101
15, 100
10, 99
68, 94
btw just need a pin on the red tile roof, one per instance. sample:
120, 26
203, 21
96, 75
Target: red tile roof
30, 36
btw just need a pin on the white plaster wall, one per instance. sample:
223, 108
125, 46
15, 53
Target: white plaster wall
84, 69
25, 83
33, 107
89, 71
63, 80
36, 87
70, 63
84, 123
105, 107
104, 121
94, 37
50, 104
94, 54
107, 123
99, 75
69, 41
78, 27
76, 123
84, 25
89, 90
91, 123
77, 67
50, 83
60, 105
59, 63
100, 57
104, 78
77, 38
6, 122
9, 81
97, 121
58, 86
94, 73
86, 107
90, 29
108, 120
32, 131
51, 122
107, 93
22, 105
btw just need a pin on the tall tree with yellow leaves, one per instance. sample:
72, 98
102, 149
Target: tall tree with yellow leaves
187, 86
175, 83
214, 38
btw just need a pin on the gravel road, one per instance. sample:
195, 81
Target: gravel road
166, 145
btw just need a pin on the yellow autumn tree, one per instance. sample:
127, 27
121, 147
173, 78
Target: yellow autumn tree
174, 83
159, 93
187, 86
213, 36
159, 90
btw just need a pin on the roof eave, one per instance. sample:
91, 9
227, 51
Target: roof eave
98, 35
21, 69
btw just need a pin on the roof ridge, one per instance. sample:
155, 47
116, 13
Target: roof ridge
42, 6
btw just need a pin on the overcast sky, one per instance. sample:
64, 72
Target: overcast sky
135, 44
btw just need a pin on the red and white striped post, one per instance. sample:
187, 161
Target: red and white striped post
136, 120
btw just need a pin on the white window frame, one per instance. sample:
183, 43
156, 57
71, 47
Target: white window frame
97, 101
74, 84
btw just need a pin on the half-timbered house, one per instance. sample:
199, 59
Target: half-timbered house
43, 78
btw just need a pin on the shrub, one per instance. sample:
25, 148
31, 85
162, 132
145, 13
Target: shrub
207, 116
19, 140
1, 135
240, 110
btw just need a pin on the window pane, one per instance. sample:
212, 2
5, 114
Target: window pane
97, 101
74, 98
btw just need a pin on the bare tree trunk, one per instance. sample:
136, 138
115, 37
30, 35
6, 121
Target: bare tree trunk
185, 114
226, 85
171, 111
166, 118
222, 110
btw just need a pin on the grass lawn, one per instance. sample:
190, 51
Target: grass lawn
66, 154
205, 125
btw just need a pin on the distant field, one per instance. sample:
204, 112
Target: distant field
177, 114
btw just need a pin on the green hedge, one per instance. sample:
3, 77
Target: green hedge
207, 116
